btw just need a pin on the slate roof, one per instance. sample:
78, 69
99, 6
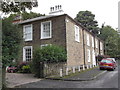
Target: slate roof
38, 18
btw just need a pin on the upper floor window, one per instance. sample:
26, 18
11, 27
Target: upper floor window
46, 30
77, 34
92, 42
101, 46
96, 43
27, 30
88, 40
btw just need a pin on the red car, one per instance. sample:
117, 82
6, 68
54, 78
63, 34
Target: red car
107, 64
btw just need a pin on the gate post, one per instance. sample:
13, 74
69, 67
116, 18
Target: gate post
41, 72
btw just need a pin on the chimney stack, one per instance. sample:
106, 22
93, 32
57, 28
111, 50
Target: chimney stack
56, 10
17, 19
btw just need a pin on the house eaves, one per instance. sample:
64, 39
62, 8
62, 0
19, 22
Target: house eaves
39, 18
50, 16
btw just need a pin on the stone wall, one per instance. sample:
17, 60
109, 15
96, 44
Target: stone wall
74, 48
53, 69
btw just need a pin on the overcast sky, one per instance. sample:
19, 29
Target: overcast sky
104, 10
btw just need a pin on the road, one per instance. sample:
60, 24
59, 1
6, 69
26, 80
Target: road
106, 80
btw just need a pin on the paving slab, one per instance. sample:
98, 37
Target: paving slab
15, 79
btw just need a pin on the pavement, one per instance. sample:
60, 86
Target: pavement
86, 75
16, 79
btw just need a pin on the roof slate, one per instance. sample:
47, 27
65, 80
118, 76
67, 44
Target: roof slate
37, 18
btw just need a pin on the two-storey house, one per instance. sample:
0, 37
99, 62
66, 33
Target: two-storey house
81, 45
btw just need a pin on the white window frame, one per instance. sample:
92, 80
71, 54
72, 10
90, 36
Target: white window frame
92, 41
101, 46
88, 40
96, 42
42, 36
24, 48
24, 32
77, 33
44, 45
89, 56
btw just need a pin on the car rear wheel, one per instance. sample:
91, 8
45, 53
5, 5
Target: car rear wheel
113, 69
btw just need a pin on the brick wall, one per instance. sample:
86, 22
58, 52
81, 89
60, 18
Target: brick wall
58, 33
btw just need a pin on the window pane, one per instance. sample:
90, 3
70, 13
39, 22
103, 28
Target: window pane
28, 32
45, 30
106, 61
77, 37
28, 54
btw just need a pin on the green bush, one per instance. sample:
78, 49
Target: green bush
26, 69
49, 54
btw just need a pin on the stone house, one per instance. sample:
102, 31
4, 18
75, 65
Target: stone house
81, 45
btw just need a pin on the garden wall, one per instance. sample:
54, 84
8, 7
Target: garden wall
53, 69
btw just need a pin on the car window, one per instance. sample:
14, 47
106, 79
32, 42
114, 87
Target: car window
106, 61
112, 59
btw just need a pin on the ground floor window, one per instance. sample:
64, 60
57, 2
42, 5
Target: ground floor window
88, 55
27, 53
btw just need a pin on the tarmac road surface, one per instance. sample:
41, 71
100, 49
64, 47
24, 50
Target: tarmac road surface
106, 80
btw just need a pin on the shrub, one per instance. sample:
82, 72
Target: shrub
24, 67
50, 53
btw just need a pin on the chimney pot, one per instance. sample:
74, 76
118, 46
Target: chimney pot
56, 7
51, 9
60, 6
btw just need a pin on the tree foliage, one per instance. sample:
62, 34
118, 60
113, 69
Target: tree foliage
17, 6
26, 15
11, 39
87, 19
11, 36
110, 37
30, 15
50, 53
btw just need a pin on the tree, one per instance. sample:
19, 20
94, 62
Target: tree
11, 39
87, 19
26, 15
30, 15
110, 37
10, 32
17, 6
